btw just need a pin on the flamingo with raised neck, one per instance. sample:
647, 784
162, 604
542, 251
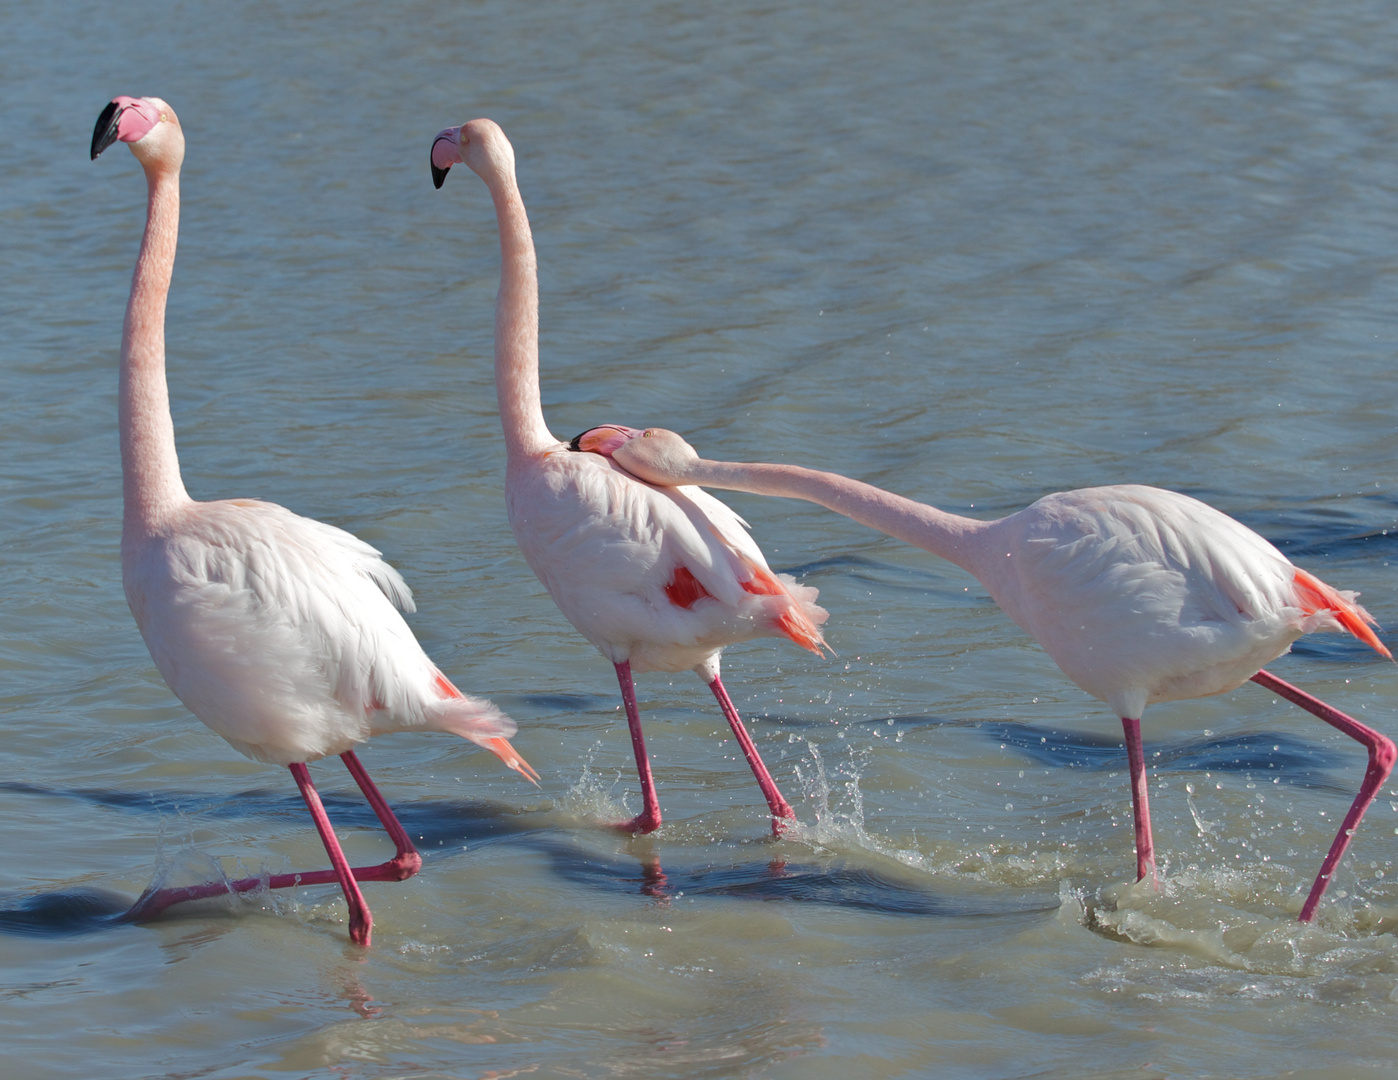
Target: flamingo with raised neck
657, 580
1140, 595
282, 634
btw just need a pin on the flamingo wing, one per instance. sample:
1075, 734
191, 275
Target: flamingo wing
1145, 595
284, 634
657, 577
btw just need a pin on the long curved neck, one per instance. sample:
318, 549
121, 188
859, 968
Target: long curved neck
151, 484
949, 536
517, 327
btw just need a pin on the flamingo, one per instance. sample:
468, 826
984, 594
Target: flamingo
281, 633
1140, 595
656, 579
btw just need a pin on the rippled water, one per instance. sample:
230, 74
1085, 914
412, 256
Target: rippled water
972, 253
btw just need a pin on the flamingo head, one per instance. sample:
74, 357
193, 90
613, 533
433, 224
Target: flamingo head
147, 124
604, 440
658, 457
480, 144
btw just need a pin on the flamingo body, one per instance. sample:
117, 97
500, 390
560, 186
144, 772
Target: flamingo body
282, 634
1140, 595
657, 580
1143, 595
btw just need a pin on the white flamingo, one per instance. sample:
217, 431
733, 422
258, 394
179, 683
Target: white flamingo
1139, 595
282, 634
657, 580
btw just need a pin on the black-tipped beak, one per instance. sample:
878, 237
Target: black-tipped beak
577, 439
105, 133
438, 175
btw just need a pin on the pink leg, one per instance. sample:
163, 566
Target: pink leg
361, 921
781, 809
403, 865
1381, 758
1140, 803
648, 820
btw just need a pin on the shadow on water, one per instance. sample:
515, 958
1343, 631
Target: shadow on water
83, 910
56, 914
1254, 754
830, 883
443, 829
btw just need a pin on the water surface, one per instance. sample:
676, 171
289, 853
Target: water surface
972, 253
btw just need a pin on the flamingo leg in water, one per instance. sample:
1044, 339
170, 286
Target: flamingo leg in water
781, 809
648, 820
1140, 802
361, 921
1381, 758
403, 865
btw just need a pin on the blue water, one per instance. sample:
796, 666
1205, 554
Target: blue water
971, 253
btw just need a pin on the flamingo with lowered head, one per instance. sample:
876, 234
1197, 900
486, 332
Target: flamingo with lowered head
282, 634
1140, 595
656, 579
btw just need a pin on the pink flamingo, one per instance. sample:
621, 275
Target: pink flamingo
657, 580
282, 634
1139, 595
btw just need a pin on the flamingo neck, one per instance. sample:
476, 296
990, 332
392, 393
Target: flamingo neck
517, 328
151, 484
949, 536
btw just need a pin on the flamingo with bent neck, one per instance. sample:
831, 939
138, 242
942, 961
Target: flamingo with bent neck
1140, 595
657, 580
281, 633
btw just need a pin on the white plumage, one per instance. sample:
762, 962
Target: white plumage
1143, 595
606, 546
283, 634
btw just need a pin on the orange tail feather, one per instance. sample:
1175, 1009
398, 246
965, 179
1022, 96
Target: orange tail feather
793, 622
499, 746
1314, 595
502, 749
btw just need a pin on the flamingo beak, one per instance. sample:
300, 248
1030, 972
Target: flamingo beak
128, 119
602, 440
105, 133
446, 152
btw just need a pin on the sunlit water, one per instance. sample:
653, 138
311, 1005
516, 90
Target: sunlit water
970, 252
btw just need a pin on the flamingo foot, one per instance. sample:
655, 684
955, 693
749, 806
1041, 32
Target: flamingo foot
361, 926
783, 819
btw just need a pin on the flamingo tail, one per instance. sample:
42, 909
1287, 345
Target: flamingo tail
1314, 596
482, 723
798, 622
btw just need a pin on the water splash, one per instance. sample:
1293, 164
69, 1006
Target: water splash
837, 806
593, 798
